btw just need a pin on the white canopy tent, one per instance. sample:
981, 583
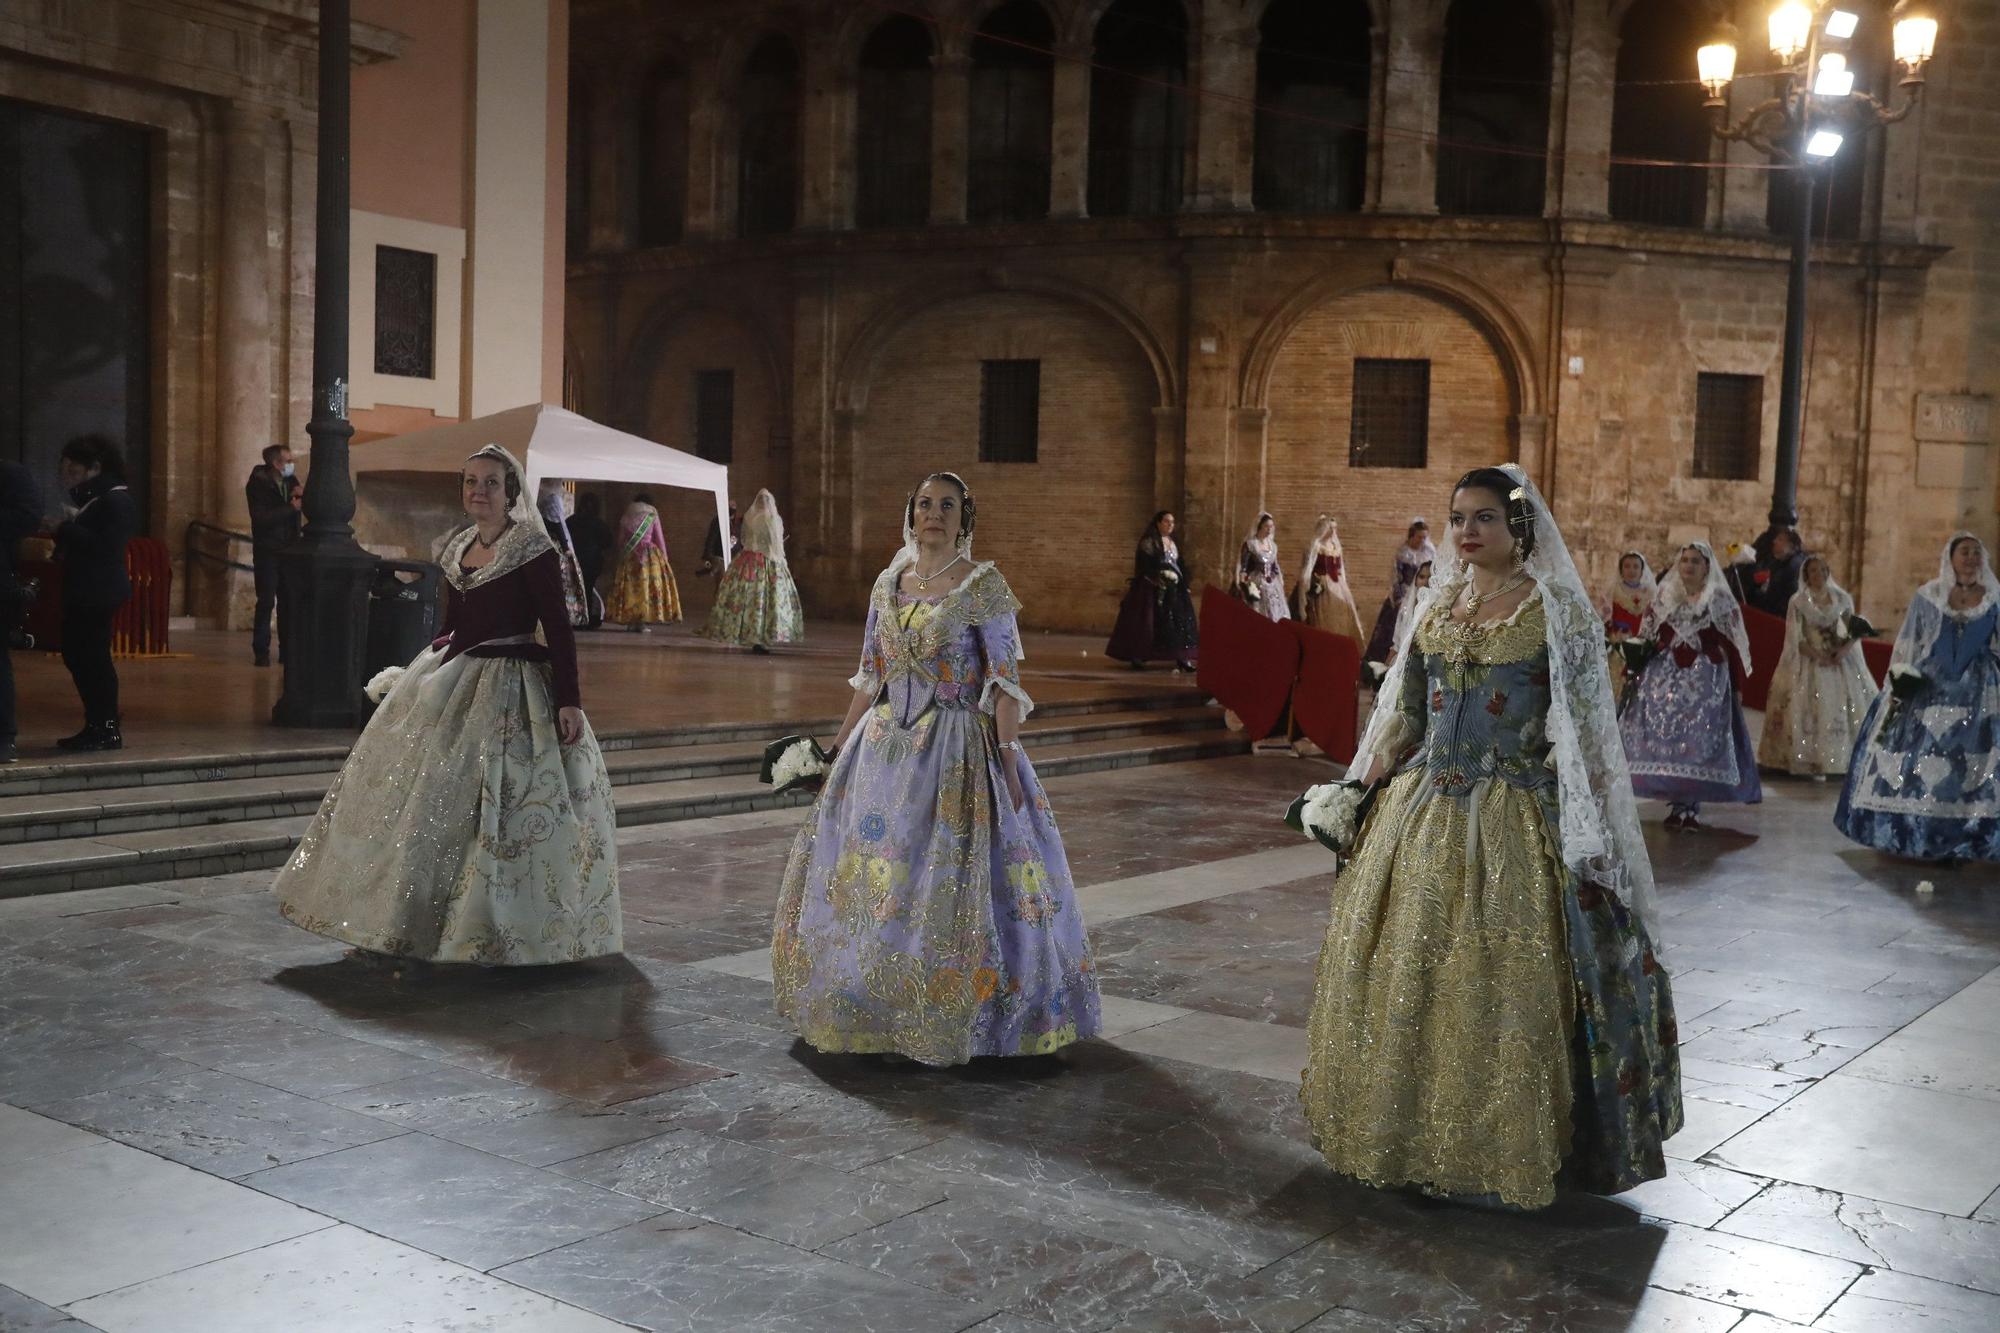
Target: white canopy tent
550, 442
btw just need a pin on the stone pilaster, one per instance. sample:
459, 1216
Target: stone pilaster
1407, 111
951, 103
1069, 166
1225, 119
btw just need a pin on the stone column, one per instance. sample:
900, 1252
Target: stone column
1408, 110
1746, 188
711, 187
826, 145
1225, 121
951, 110
1579, 183
1069, 133
612, 171
244, 331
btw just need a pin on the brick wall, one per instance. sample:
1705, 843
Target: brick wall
1061, 529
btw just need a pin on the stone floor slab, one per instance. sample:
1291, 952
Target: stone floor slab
339, 1280
1961, 1251
676, 1273
1899, 1303
1912, 1146
94, 1219
457, 1203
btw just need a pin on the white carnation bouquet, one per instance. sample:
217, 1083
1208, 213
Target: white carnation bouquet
1168, 576
795, 761
378, 687
1332, 814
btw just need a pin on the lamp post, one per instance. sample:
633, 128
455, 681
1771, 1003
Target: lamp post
1814, 111
323, 577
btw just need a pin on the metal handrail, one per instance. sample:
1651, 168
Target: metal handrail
190, 551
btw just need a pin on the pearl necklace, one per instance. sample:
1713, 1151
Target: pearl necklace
1474, 599
924, 581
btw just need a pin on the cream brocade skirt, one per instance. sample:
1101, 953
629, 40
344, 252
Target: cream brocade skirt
1439, 1043
461, 830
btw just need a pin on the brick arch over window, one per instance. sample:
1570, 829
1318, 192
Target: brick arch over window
640, 362
1062, 527
857, 366
1488, 311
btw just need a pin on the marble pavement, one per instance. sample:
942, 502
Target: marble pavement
214, 1122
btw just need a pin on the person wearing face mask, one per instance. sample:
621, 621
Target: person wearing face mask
276, 501
927, 908
1684, 730
91, 546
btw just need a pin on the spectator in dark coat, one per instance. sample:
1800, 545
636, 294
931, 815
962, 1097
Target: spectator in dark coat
276, 500
1775, 576
20, 515
590, 538
91, 546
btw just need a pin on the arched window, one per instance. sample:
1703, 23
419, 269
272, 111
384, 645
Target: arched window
1493, 108
663, 154
1312, 106
1656, 112
1007, 147
894, 126
767, 162
1138, 109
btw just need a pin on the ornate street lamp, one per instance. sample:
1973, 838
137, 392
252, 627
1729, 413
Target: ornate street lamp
1815, 111
323, 577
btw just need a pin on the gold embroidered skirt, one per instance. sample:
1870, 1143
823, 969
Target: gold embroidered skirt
1443, 1007
461, 829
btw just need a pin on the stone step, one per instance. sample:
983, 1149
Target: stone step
32, 778
94, 813
55, 865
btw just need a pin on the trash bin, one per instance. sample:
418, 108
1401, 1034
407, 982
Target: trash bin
402, 613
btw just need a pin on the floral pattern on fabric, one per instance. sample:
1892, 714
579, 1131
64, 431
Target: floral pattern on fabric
1479, 1018
643, 591
919, 912
1925, 782
756, 603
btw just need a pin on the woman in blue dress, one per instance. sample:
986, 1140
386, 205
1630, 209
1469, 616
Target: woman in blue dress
1925, 781
927, 909
1684, 730
1489, 1018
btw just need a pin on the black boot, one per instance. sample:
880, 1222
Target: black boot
97, 736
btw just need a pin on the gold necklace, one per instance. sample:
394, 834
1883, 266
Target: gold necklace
1474, 599
924, 582
485, 545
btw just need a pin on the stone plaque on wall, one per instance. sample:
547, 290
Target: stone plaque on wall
1955, 418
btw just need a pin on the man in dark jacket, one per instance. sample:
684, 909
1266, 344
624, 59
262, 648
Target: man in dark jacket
275, 499
590, 538
20, 515
1775, 576
91, 546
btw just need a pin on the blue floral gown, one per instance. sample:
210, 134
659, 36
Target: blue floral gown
1925, 782
920, 912
1484, 1022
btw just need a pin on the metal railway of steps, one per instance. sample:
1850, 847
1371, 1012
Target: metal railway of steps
127, 821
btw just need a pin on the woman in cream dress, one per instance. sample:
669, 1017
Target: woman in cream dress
473, 822
1821, 691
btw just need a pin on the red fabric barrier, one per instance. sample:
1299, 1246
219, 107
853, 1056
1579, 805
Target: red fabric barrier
1876, 652
1323, 700
140, 628
1767, 645
1248, 663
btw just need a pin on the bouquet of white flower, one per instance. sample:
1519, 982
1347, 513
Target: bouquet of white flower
1168, 576
1256, 594
378, 687
1374, 673
795, 761
1331, 814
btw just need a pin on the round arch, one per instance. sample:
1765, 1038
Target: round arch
857, 367
1487, 310
657, 326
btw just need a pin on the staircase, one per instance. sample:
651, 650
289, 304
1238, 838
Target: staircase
87, 825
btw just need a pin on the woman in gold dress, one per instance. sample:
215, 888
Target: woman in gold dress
1489, 1016
643, 591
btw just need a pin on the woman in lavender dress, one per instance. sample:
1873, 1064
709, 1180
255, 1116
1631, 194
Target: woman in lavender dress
1684, 730
1259, 579
927, 909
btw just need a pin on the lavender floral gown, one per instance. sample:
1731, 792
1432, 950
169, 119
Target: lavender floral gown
920, 913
